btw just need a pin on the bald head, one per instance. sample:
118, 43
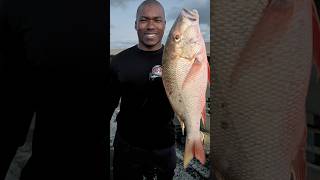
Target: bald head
150, 24
148, 3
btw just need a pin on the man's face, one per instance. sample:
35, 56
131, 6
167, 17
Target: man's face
150, 25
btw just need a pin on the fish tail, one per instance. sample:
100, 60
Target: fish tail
194, 148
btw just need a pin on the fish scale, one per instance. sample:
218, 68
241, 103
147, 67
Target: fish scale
260, 80
185, 78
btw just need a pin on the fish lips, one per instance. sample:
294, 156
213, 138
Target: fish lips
191, 15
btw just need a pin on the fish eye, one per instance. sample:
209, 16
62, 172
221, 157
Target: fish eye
177, 37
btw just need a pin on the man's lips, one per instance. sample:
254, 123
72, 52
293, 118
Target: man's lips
150, 35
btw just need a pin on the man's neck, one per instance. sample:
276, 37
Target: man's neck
153, 48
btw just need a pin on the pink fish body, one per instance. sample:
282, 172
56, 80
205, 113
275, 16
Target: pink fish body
185, 78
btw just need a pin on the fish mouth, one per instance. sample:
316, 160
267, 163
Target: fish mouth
190, 14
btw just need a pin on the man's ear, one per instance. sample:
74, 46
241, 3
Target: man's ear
135, 25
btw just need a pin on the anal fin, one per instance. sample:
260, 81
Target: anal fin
181, 124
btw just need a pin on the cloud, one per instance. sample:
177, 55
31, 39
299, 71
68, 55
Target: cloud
122, 44
203, 8
120, 3
205, 30
172, 13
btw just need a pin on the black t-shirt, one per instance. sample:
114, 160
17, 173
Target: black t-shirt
145, 117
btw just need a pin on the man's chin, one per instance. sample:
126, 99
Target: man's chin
151, 45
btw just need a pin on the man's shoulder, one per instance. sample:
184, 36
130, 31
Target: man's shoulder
122, 57
125, 53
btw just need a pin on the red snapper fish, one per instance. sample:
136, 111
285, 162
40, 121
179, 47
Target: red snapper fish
185, 75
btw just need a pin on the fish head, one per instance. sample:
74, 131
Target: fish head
185, 39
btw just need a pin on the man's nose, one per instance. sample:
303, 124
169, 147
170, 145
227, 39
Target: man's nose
150, 25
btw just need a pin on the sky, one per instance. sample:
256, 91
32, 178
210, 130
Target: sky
123, 13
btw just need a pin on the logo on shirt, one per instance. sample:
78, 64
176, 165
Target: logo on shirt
156, 72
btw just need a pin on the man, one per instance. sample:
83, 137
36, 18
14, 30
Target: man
53, 61
144, 144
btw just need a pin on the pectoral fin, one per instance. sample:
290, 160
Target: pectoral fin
194, 70
182, 124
